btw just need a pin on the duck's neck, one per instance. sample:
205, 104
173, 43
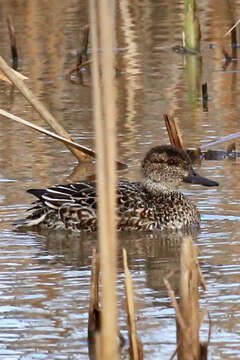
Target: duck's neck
157, 186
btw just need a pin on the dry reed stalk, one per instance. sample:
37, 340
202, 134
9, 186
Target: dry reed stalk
188, 317
136, 349
40, 108
176, 140
83, 149
189, 281
94, 317
102, 21
18, 74
48, 133
4, 78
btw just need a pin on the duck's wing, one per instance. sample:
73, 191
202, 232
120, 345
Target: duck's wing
80, 193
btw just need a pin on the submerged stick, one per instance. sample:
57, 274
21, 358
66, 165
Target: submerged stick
40, 108
136, 350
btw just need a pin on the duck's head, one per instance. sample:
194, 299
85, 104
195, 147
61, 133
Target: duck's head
165, 167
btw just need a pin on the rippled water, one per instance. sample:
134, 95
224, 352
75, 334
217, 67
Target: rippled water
44, 279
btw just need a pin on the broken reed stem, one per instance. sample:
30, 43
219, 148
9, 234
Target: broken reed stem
65, 141
136, 350
101, 20
188, 303
40, 108
173, 132
48, 133
188, 317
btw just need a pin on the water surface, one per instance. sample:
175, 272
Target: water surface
44, 279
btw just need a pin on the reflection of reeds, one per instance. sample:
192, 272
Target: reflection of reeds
188, 317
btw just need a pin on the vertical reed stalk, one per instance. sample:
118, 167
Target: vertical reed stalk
136, 349
192, 26
101, 19
188, 303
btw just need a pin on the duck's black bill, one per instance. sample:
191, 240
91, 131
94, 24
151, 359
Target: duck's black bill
195, 178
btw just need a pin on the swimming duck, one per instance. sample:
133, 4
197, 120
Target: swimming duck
151, 204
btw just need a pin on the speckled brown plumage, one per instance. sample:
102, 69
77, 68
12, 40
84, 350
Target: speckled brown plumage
151, 204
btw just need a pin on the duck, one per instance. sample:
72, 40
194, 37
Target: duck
155, 203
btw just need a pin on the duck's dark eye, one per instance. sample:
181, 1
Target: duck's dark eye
172, 162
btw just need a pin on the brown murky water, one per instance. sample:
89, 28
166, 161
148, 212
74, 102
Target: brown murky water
44, 279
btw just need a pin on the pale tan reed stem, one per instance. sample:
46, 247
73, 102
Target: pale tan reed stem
39, 107
105, 118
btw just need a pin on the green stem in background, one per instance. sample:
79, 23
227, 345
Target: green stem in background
194, 76
192, 26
